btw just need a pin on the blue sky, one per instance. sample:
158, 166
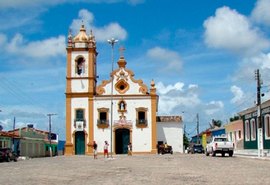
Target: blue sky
201, 54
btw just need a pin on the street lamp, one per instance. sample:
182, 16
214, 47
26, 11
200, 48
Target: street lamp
112, 42
50, 130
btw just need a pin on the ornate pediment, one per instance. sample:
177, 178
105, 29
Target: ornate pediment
124, 80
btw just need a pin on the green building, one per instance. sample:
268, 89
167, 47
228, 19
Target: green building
250, 126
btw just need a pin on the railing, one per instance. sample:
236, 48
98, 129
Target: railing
141, 121
102, 123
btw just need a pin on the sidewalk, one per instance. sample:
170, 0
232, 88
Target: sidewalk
252, 154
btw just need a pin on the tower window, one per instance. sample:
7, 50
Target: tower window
79, 115
80, 66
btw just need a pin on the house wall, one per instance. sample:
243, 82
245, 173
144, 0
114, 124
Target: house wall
250, 115
218, 132
172, 133
234, 132
32, 147
5, 142
250, 143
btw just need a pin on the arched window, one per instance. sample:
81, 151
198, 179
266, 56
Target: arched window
80, 66
247, 130
253, 129
267, 126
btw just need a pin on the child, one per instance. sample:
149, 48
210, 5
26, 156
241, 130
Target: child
106, 145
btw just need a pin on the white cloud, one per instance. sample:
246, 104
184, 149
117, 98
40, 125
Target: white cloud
164, 90
84, 16
262, 61
50, 47
232, 31
19, 4
112, 30
40, 3
175, 97
213, 107
171, 60
238, 94
261, 12
7, 124
245, 73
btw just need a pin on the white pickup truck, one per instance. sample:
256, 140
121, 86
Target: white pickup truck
219, 145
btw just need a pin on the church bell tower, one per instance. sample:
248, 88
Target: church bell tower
81, 79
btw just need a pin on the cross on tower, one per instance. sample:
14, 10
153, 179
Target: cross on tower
121, 50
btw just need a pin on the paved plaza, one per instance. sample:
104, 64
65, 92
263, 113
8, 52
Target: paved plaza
139, 170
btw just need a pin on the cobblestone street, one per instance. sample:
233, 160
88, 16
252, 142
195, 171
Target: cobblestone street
147, 169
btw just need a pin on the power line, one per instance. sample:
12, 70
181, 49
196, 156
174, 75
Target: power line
16, 90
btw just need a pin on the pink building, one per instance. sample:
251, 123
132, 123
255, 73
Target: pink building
234, 132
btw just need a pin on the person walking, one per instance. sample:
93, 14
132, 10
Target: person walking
95, 149
130, 149
106, 146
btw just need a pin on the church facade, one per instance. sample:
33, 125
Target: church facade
119, 110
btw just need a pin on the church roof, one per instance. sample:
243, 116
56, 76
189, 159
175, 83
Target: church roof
81, 36
124, 82
169, 119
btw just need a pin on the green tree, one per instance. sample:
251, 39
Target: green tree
185, 141
216, 123
235, 118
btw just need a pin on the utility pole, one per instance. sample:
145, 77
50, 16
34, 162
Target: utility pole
112, 42
197, 116
50, 131
259, 82
14, 122
259, 113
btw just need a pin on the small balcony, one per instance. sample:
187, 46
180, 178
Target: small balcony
102, 123
141, 123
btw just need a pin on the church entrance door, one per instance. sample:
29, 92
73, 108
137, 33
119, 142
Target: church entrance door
121, 141
79, 143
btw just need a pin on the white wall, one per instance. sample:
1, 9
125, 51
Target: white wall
133, 87
141, 138
172, 133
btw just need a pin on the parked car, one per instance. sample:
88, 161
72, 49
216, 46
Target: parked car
164, 149
219, 145
6, 154
196, 148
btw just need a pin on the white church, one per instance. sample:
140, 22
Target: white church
120, 110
